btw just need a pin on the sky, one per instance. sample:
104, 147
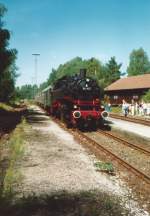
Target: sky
60, 30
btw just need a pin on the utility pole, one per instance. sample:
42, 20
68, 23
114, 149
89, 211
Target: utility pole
35, 71
32, 84
35, 66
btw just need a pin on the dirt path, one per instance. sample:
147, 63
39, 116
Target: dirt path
53, 161
55, 165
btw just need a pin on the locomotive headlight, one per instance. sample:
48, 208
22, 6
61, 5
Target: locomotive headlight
76, 114
104, 114
75, 107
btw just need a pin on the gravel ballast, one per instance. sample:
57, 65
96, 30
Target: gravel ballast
55, 163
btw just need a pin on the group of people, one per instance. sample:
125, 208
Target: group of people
136, 108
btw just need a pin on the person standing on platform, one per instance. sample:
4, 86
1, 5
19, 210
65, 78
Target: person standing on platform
125, 108
132, 107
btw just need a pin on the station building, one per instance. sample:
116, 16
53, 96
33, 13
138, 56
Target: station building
128, 88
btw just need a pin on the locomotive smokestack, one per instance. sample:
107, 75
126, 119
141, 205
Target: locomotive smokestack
83, 72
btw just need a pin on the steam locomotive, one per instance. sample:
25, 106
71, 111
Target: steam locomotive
75, 100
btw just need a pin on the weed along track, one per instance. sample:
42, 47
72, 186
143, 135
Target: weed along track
12, 153
11, 130
137, 156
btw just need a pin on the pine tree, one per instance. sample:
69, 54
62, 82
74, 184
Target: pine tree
112, 71
7, 62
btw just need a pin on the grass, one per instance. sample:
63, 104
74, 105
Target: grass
104, 166
16, 149
6, 107
116, 109
10, 107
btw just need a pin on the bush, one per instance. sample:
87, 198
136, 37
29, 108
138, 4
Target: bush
146, 97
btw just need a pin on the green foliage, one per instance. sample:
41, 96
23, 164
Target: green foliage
7, 62
69, 68
6, 107
52, 77
26, 91
146, 97
43, 85
94, 68
3, 10
16, 148
104, 166
139, 63
116, 109
112, 72
104, 74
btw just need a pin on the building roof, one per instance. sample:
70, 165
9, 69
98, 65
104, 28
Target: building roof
132, 82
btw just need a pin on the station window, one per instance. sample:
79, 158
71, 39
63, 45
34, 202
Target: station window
115, 97
135, 96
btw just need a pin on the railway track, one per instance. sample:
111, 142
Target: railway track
120, 161
114, 137
131, 119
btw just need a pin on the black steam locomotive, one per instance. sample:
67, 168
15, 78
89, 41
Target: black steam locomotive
75, 100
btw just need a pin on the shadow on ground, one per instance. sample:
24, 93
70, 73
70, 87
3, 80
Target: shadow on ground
90, 203
33, 116
64, 204
9, 120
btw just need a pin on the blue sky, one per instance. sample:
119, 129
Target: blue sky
63, 29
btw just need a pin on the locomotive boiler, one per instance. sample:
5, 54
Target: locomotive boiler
75, 100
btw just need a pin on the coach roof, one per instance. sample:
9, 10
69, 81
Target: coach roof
132, 82
49, 87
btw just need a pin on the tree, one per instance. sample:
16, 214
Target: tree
94, 68
7, 62
71, 67
3, 10
146, 97
26, 91
104, 74
112, 71
139, 63
52, 77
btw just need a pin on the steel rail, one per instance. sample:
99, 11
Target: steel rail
109, 134
122, 162
131, 119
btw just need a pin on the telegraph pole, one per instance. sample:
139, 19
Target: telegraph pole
35, 67
35, 71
